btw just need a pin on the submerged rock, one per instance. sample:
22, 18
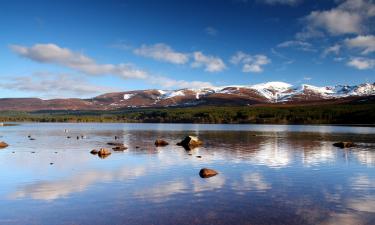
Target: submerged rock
206, 173
103, 153
94, 152
161, 143
3, 144
190, 142
344, 144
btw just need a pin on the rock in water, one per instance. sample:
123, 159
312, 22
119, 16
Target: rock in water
190, 142
161, 143
344, 144
206, 173
94, 152
103, 153
115, 144
3, 144
120, 148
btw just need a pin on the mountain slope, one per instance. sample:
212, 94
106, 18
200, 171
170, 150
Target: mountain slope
265, 93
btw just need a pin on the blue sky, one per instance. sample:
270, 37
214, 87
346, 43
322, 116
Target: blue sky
54, 49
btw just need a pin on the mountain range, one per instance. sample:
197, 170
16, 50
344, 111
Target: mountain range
269, 93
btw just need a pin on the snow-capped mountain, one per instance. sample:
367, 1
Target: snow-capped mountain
264, 93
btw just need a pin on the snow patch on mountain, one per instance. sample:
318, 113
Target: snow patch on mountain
272, 91
128, 96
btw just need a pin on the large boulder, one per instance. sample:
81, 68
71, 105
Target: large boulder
161, 143
206, 173
103, 153
344, 144
3, 144
190, 142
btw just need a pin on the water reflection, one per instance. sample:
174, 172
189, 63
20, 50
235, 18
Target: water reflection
264, 177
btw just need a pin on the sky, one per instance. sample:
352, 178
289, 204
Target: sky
83, 48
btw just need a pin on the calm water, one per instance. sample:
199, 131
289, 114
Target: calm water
267, 175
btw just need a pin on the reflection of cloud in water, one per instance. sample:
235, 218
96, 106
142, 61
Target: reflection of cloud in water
209, 184
319, 156
366, 157
344, 219
50, 190
357, 208
251, 181
161, 192
362, 182
272, 155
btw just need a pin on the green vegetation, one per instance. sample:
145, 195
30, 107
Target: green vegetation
278, 114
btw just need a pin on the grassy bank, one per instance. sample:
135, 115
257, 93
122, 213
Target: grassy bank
314, 114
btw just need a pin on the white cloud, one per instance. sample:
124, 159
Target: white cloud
280, 2
366, 43
334, 49
335, 21
162, 52
51, 53
301, 45
54, 85
211, 63
361, 63
250, 63
211, 31
350, 17
171, 83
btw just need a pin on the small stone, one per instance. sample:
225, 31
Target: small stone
51, 163
115, 144
199, 156
190, 142
161, 143
206, 173
94, 152
3, 144
344, 144
119, 148
103, 153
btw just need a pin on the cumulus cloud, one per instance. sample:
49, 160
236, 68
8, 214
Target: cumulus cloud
210, 63
250, 63
162, 52
350, 17
54, 85
280, 2
365, 43
51, 53
334, 49
361, 63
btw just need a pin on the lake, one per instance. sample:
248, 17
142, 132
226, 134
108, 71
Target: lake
268, 174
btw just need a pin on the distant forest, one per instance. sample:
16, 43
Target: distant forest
354, 113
